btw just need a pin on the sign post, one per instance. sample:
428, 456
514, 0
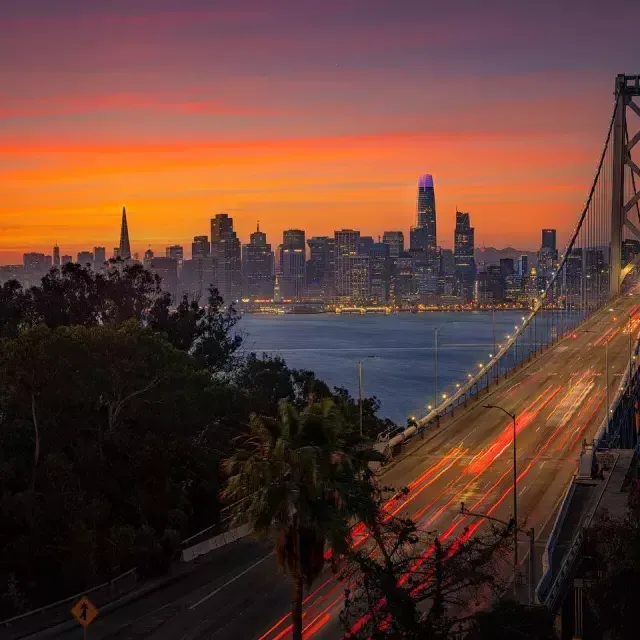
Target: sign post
84, 612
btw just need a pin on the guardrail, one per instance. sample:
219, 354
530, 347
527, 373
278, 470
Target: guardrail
117, 585
127, 580
574, 551
547, 557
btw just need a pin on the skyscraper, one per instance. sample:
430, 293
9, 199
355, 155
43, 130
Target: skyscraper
426, 210
549, 238
464, 246
124, 249
167, 269
364, 244
346, 244
225, 250
523, 265
85, 258
257, 267
200, 247
380, 265
221, 225
320, 267
395, 240
99, 257
292, 264
176, 252
548, 254
56, 256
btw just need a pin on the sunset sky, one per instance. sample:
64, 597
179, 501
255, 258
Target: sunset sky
312, 114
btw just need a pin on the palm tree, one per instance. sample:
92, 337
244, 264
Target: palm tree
294, 478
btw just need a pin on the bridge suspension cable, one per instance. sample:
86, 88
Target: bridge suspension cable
602, 249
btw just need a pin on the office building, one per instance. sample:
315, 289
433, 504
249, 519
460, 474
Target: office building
574, 276
447, 262
380, 269
489, 286
167, 269
395, 240
11, 272
196, 276
85, 258
124, 249
226, 252
148, 257
523, 265
426, 282
364, 244
507, 267
176, 252
464, 247
221, 225
513, 287
549, 239
258, 268
292, 264
346, 245
200, 247
404, 284
35, 267
320, 268
630, 249
358, 278
56, 256
426, 210
99, 258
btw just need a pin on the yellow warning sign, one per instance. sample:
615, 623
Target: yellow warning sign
84, 612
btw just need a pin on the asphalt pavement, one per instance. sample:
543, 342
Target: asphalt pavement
559, 400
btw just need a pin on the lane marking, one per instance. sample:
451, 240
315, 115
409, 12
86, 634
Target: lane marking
230, 581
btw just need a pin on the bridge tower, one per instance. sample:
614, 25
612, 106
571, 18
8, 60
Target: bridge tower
627, 88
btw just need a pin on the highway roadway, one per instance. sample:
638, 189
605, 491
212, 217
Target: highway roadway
559, 400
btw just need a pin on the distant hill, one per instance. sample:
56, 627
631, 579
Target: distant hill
491, 255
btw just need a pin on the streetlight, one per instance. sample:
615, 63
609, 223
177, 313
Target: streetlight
435, 363
532, 538
360, 386
515, 490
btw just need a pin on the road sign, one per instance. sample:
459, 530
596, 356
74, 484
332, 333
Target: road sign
84, 612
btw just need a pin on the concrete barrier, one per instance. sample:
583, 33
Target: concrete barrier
547, 568
206, 546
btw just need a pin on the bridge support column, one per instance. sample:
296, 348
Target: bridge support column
617, 188
627, 87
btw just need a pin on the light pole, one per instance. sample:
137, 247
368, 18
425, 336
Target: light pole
435, 363
360, 386
532, 538
515, 490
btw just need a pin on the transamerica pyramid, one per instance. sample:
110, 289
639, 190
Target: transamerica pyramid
125, 247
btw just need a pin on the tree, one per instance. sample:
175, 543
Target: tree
291, 475
107, 455
509, 620
216, 343
14, 309
613, 572
410, 584
68, 296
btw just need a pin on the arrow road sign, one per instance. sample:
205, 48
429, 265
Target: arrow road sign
84, 612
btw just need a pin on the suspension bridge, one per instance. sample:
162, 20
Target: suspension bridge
567, 376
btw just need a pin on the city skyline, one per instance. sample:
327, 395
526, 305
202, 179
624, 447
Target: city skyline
314, 120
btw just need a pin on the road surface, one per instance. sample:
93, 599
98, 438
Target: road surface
559, 400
